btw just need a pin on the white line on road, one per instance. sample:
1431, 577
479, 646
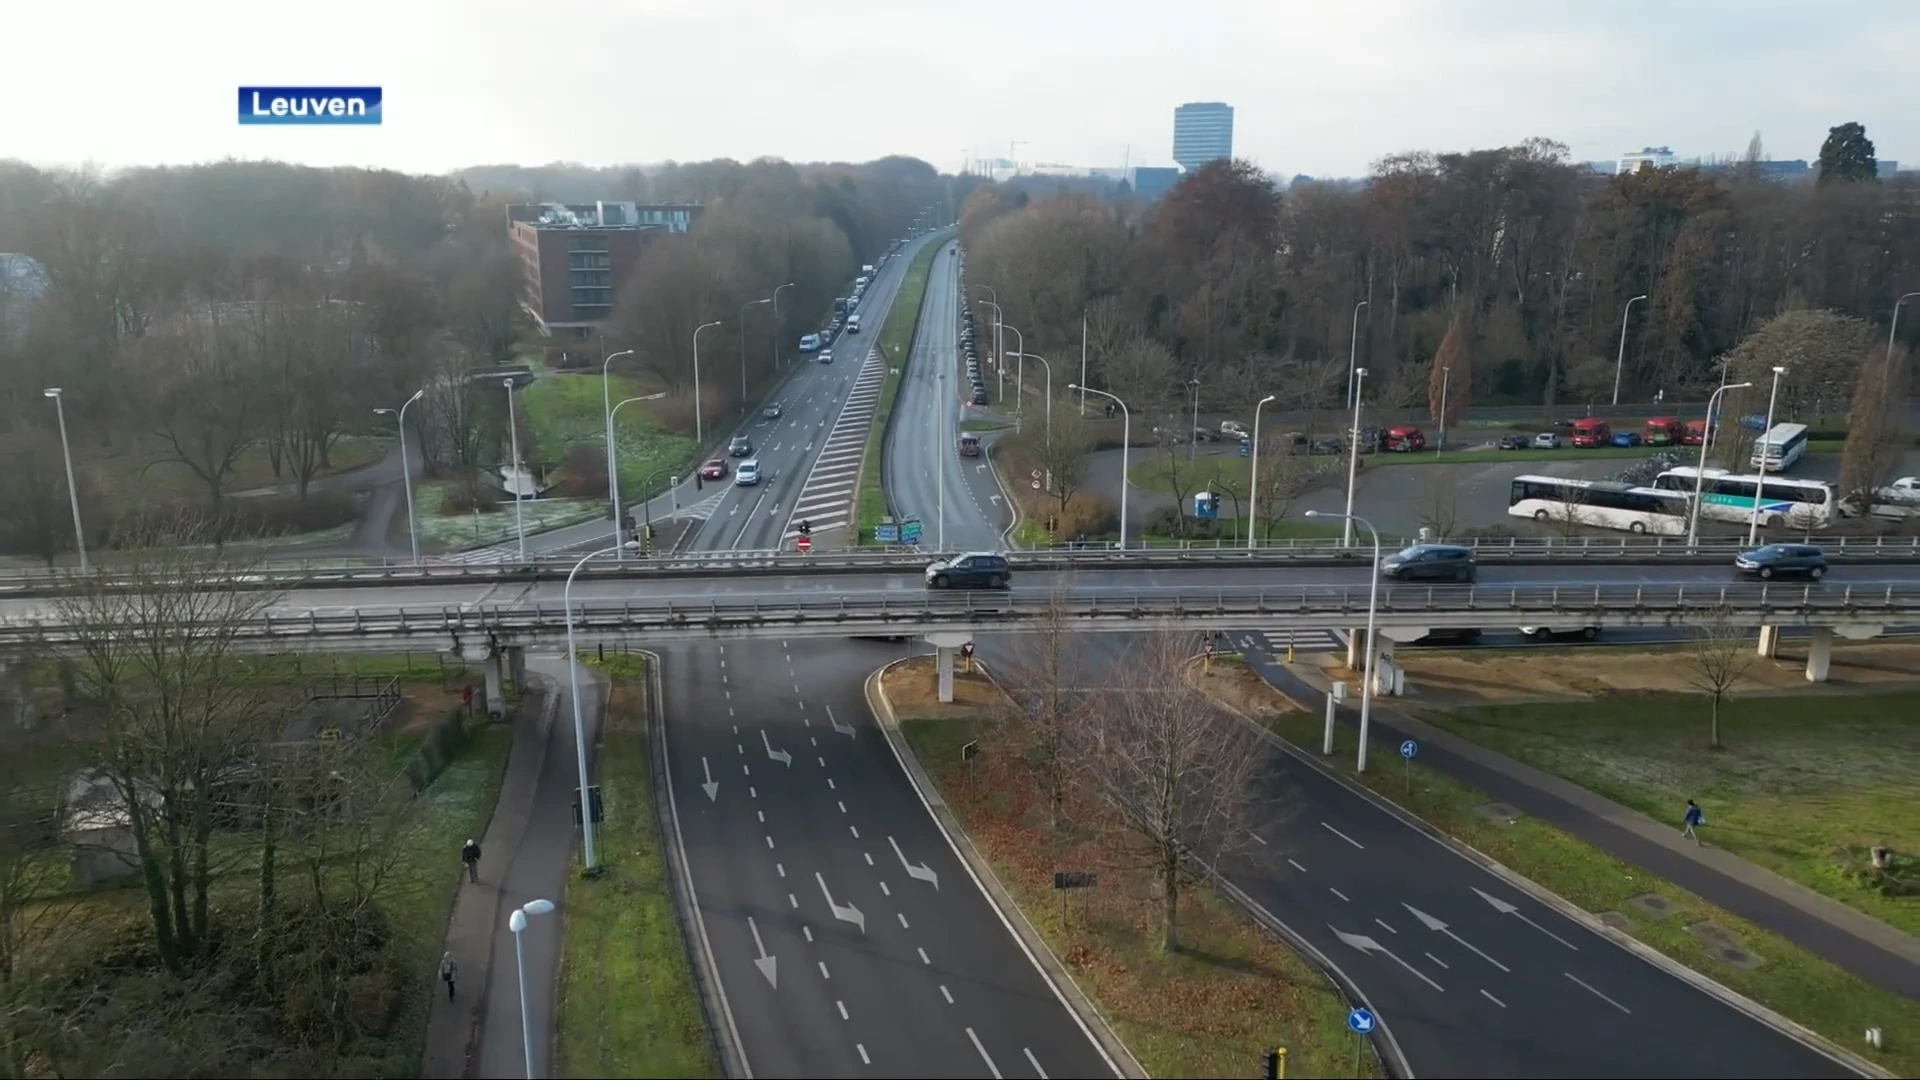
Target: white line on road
1437, 960
1257, 836
1493, 999
1338, 893
884, 891
843, 1010
830, 783
1387, 928
823, 970
991, 1067
1035, 1062
769, 843
792, 900
869, 856
782, 867
753, 793
864, 1059
842, 805
1343, 836
945, 993
903, 920
855, 830
763, 816
1597, 993
1296, 866
923, 956
807, 930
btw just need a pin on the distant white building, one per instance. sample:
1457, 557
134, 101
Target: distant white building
1651, 157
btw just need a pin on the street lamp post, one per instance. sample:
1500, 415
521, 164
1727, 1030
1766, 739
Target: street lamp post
613, 480
1773, 399
1446, 383
406, 469
1620, 363
779, 328
743, 345
1370, 651
1048, 368
1193, 437
1353, 457
606, 412
1894, 326
1253, 480
699, 429
1700, 474
517, 922
1000, 362
997, 338
1126, 451
1353, 355
513, 433
73, 493
579, 724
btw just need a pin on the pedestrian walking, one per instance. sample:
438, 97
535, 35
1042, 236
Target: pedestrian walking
1692, 820
448, 969
471, 856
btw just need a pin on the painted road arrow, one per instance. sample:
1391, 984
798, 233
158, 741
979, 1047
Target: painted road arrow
838, 727
1505, 908
766, 964
1437, 926
780, 756
1367, 945
712, 789
844, 914
917, 873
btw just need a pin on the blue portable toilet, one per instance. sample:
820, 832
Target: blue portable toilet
1206, 506
1246, 447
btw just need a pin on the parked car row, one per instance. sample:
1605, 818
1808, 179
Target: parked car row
976, 385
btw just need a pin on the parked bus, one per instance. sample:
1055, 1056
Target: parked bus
1737, 497
1599, 503
1664, 431
1590, 431
1780, 447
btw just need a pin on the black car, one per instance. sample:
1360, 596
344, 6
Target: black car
741, 446
1514, 442
979, 395
976, 570
1783, 560
1429, 562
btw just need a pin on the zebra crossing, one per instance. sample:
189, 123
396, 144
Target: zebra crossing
826, 499
1276, 642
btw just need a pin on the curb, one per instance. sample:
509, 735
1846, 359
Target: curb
1647, 953
1062, 982
693, 931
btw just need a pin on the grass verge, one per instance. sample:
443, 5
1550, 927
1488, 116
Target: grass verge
443, 531
627, 1002
1208, 1008
1788, 979
568, 409
896, 347
1803, 789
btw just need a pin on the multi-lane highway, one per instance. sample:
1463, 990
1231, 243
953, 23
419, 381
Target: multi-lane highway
958, 500
846, 935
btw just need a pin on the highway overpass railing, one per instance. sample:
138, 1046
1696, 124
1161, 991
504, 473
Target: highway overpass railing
1864, 607
1514, 551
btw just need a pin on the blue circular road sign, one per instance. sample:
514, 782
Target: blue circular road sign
1409, 748
1360, 1021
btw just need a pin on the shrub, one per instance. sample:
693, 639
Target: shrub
471, 491
583, 472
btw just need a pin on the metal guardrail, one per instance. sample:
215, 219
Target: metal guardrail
854, 561
1437, 606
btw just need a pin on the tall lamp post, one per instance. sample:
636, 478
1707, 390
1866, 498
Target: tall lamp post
613, 480
1253, 481
73, 493
517, 922
1446, 383
743, 344
1000, 362
1773, 399
1371, 651
579, 725
513, 433
1126, 451
1620, 362
406, 468
997, 338
779, 328
1049, 370
1700, 474
606, 413
1193, 437
1353, 457
699, 429
1353, 355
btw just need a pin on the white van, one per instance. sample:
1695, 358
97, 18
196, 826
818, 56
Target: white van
853, 324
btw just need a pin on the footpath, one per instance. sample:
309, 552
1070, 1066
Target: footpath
1868, 948
526, 854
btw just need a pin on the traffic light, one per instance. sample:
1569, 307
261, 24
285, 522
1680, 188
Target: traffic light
806, 527
1270, 1064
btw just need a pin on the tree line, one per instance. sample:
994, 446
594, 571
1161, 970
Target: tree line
211, 315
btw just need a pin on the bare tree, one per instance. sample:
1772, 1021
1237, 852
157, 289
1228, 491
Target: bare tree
202, 391
1141, 373
1441, 510
1061, 450
1284, 477
1876, 427
1050, 703
1180, 473
1177, 776
1721, 653
34, 516
1571, 517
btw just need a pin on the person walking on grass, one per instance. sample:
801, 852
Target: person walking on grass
1691, 821
470, 855
448, 969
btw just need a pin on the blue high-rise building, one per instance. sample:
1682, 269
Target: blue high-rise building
1202, 132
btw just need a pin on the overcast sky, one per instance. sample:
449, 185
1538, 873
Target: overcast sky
1322, 87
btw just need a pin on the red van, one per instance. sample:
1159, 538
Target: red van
1592, 431
1405, 439
1695, 434
1664, 431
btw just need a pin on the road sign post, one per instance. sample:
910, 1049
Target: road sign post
910, 530
804, 543
1361, 1023
966, 658
1407, 750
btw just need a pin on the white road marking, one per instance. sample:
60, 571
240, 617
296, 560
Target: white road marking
1343, 836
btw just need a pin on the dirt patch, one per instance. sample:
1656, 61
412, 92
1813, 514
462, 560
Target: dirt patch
912, 687
420, 705
1236, 685
1440, 678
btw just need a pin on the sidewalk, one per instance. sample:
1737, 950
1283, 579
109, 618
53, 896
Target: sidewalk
453, 1027
1868, 948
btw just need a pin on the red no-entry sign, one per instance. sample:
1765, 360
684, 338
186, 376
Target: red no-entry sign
804, 543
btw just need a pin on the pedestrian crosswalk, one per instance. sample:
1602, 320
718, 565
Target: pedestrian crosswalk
826, 499
1277, 641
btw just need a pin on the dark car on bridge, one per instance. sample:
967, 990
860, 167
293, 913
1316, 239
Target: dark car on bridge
1430, 562
1783, 560
975, 570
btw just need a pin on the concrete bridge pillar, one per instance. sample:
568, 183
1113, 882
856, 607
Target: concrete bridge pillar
1356, 649
517, 667
946, 649
495, 668
1769, 641
1819, 653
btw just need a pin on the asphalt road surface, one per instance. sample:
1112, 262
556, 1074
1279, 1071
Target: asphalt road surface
958, 500
1470, 975
848, 938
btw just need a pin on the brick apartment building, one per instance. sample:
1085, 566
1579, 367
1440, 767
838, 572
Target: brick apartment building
575, 257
